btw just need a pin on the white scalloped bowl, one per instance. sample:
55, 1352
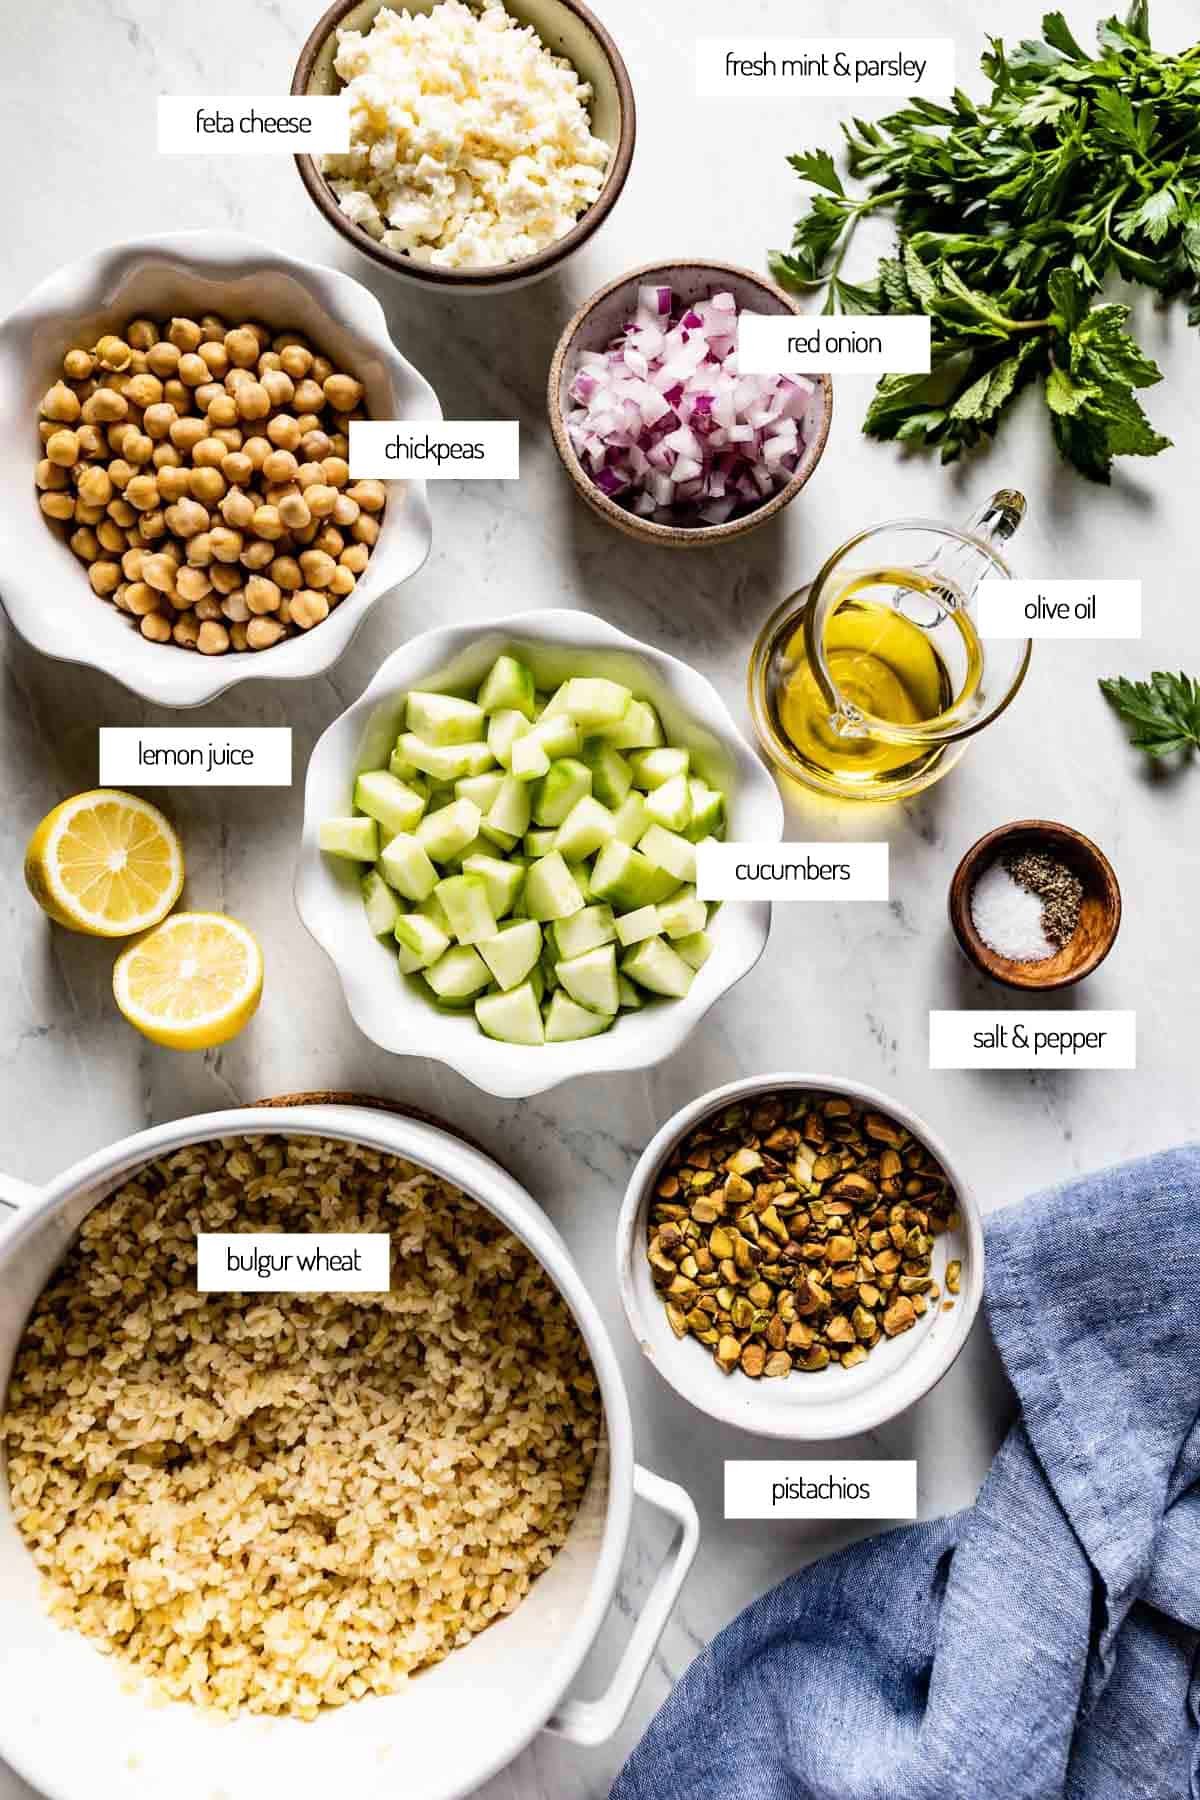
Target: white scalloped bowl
44, 588
389, 1009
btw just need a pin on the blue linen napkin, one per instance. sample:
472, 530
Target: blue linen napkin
1044, 1644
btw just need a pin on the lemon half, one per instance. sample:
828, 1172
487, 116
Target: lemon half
105, 863
193, 982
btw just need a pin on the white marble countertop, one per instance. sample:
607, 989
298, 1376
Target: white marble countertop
844, 990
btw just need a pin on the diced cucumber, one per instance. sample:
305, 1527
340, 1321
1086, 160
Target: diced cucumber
654, 965
638, 728
631, 819
636, 927
581, 875
566, 782
507, 686
653, 768
459, 974
592, 978
503, 840
465, 899
421, 938
480, 790
537, 982
551, 891
512, 952
670, 852
357, 840
410, 962
585, 931
671, 804
695, 949
628, 879
445, 762
392, 802
405, 866
446, 833
530, 759
611, 774
433, 910
631, 999
509, 811
503, 880
513, 1017
546, 969
504, 728
400, 767
708, 811
443, 719
591, 701
566, 1020
585, 829
682, 914
383, 909
542, 744
539, 843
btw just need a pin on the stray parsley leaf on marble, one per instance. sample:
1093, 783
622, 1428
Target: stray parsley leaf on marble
1012, 213
1164, 711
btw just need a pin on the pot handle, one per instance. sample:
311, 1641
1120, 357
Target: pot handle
593, 1722
15, 1194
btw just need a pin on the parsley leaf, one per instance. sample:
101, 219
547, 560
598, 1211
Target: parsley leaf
1164, 711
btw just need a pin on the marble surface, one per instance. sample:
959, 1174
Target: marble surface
843, 990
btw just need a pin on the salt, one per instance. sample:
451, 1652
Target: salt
1009, 918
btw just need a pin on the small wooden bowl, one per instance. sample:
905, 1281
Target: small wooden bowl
602, 318
1099, 913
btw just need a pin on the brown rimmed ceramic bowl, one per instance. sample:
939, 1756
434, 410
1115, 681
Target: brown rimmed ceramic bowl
1099, 913
568, 29
603, 317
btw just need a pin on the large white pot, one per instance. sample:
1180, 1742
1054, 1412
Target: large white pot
69, 1724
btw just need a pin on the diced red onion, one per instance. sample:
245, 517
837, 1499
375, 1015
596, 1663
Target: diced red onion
663, 420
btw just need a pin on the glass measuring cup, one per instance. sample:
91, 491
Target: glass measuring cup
867, 683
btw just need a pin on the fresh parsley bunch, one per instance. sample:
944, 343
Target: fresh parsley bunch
1012, 214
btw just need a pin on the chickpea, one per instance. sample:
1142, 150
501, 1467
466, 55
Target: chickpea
144, 390
284, 432
57, 506
308, 397
213, 639
154, 626
207, 485
158, 572
234, 607
85, 544
253, 400
187, 518
238, 510
105, 578
257, 555
284, 615
268, 523
280, 467
114, 436
295, 359
136, 447
95, 487
78, 364
142, 334
237, 468
226, 544
343, 582
294, 513
262, 596
242, 348
63, 448
261, 333
336, 471
46, 430
206, 393
178, 396
158, 419
371, 495
225, 578
173, 484
318, 568
230, 436
185, 631
50, 477
342, 392
192, 370
88, 515
269, 360
140, 599
330, 540
187, 433
237, 378
310, 475
131, 564
142, 493
163, 359
121, 473
345, 511
151, 526
185, 334
309, 609
208, 608
138, 364
365, 530
315, 446
261, 634
61, 404
222, 410
238, 638
217, 357
113, 353
192, 585
355, 557
322, 369
320, 499
112, 538
279, 386
286, 573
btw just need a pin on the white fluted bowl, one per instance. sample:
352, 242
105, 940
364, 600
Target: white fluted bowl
43, 586
385, 1007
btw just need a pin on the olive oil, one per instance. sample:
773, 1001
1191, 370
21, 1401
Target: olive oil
888, 670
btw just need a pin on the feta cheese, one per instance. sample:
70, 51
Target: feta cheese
470, 143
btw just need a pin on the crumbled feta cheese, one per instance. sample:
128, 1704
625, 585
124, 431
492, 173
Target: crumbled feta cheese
471, 144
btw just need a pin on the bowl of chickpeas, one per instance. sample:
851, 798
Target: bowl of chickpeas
179, 509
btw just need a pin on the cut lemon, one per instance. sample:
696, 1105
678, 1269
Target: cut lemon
105, 863
193, 982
